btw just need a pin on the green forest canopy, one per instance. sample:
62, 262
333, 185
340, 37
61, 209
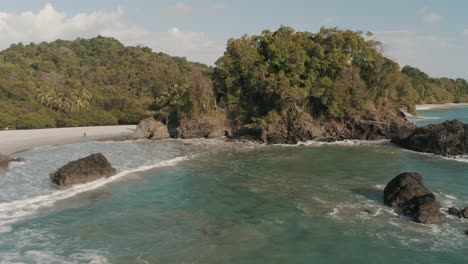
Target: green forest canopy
332, 74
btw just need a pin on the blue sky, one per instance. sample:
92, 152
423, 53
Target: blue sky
431, 35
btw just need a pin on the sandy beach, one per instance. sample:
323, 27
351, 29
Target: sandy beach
434, 106
14, 141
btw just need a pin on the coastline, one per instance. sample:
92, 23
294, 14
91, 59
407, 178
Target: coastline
15, 141
439, 106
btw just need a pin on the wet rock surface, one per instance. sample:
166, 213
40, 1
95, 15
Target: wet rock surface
407, 193
84, 170
447, 139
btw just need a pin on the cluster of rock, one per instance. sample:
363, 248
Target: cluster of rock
84, 170
447, 139
374, 124
408, 195
460, 213
5, 161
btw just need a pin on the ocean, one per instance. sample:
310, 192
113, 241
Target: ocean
211, 201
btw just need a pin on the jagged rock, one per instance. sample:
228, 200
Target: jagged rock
424, 209
151, 129
84, 170
407, 193
213, 126
377, 123
403, 188
283, 130
464, 212
454, 211
5, 161
447, 139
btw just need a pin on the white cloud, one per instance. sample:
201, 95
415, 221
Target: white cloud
465, 32
429, 17
50, 24
438, 56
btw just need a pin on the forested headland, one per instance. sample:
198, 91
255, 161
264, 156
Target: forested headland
333, 74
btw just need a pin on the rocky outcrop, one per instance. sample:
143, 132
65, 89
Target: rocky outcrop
447, 139
377, 123
5, 161
84, 170
151, 129
407, 193
290, 130
374, 124
213, 126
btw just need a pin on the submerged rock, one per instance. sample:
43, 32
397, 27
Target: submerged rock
407, 193
447, 139
5, 161
151, 129
84, 170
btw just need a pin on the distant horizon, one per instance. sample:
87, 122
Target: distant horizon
431, 36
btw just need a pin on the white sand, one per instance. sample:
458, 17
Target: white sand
433, 106
14, 141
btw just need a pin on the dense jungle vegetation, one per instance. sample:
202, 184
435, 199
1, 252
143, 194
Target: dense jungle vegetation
330, 74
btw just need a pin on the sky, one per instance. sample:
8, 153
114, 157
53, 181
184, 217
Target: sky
430, 35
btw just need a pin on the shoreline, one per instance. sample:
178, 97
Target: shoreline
16, 141
440, 106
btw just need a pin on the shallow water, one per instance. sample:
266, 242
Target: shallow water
209, 201
439, 115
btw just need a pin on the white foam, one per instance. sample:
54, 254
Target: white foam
461, 158
13, 211
348, 142
379, 187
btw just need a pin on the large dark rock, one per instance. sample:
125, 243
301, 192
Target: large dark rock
424, 209
447, 139
84, 170
5, 161
464, 212
212, 126
407, 193
454, 211
151, 129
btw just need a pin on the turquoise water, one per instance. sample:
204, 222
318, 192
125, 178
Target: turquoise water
434, 116
209, 201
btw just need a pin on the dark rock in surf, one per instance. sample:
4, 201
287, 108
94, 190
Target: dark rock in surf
5, 161
151, 129
447, 139
407, 193
403, 188
454, 211
464, 212
424, 209
84, 170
